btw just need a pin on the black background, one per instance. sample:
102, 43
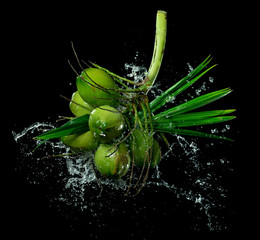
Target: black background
38, 72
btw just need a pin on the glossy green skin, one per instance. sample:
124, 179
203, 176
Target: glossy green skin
157, 154
106, 123
78, 110
139, 148
96, 87
81, 142
111, 163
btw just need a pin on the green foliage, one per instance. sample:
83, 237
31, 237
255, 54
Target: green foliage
172, 120
194, 103
181, 85
75, 126
195, 119
193, 133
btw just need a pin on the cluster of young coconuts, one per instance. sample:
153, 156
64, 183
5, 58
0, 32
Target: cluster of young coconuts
97, 96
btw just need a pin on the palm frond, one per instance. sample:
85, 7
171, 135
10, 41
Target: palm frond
193, 104
174, 119
191, 122
193, 133
195, 119
180, 86
198, 115
74, 126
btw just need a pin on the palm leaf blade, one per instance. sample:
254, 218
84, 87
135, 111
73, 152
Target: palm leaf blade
74, 126
193, 115
180, 86
193, 133
194, 122
194, 103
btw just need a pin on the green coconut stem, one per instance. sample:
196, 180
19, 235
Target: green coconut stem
159, 46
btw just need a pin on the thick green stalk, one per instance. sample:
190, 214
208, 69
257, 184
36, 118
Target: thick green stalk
159, 46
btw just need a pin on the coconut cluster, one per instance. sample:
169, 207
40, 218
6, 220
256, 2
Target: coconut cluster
97, 95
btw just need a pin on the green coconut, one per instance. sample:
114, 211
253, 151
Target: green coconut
78, 106
96, 87
81, 142
106, 123
140, 150
112, 162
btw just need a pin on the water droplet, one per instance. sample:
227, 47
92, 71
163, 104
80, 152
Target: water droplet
190, 67
211, 79
227, 127
198, 199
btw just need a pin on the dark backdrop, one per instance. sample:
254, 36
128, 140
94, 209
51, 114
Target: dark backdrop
111, 38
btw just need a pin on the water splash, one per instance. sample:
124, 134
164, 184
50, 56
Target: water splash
204, 86
78, 185
138, 73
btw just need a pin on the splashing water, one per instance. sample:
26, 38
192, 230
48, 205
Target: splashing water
78, 186
137, 72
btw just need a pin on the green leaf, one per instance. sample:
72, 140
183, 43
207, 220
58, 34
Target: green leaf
75, 126
195, 118
195, 115
42, 142
193, 122
192, 133
180, 86
193, 104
